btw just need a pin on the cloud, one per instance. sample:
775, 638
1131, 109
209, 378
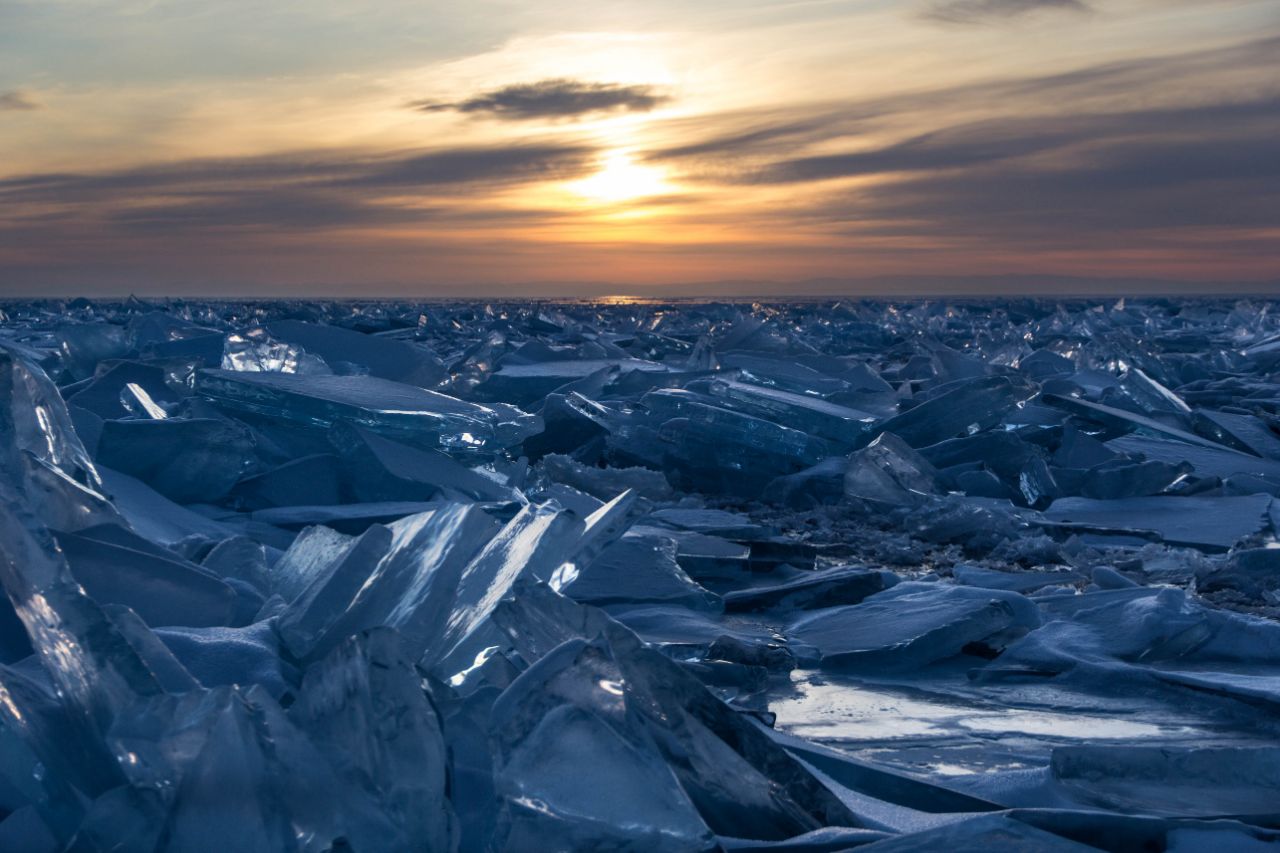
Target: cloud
1137, 162
770, 144
760, 134
950, 149
978, 11
1016, 142
553, 99
15, 100
350, 171
505, 164
300, 192
1158, 184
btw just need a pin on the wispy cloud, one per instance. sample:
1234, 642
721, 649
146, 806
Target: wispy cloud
978, 11
14, 100
1152, 158
1013, 140
553, 99
771, 144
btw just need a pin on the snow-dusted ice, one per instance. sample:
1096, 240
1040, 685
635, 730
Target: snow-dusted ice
988, 575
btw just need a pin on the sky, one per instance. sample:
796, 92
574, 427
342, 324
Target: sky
415, 147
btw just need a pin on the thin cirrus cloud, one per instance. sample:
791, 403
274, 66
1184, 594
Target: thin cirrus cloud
978, 11
17, 101
553, 99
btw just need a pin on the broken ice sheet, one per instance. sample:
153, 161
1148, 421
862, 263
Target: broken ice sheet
730, 771
334, 510
524, 384
826, 588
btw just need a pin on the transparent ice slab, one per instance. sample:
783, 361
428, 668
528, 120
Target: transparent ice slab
401, 412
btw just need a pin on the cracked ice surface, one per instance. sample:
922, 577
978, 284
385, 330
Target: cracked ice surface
989, 575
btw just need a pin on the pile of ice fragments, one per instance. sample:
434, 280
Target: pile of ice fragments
687, 577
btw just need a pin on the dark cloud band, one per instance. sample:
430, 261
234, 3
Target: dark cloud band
977, 11
307, 190
553, 99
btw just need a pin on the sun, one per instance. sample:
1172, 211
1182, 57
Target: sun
621, 179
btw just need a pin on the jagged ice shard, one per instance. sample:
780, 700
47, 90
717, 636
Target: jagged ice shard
988, 575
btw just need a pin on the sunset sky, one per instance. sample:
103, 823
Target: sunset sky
395, 147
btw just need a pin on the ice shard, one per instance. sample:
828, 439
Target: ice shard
255, 352
400, 412
888, 472
1214, 523
386, 358
826, 588
322, 602
717, 449
412, 586
968, 408
382, 470
364, 708
161, 588
188, 460
907, 626
523, 384
841, 425
43, 459
233, 740
542, 542
639, 569
574, 769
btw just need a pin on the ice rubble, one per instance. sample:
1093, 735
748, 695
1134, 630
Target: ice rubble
685, 577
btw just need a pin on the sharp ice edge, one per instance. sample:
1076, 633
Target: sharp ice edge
455, 576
